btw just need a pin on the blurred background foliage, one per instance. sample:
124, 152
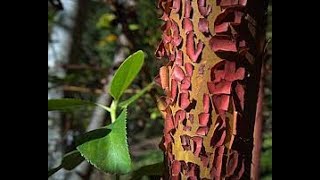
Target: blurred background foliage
94, 43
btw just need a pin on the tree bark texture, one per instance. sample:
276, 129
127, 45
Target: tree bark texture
214, 51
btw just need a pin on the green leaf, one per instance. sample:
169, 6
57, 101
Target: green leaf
127, 102
69, 161
63, 104
149, 170
92, 135
74, 158
105, 20
125, 74
68, 103
133, 27
110, 153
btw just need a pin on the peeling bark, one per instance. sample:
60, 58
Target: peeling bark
214, 54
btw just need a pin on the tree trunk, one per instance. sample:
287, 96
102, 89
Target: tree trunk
211, 81
257, 134
58, 54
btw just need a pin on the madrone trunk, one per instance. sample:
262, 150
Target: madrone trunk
212, 52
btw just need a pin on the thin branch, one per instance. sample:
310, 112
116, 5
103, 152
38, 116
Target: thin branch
81, 89
83, 67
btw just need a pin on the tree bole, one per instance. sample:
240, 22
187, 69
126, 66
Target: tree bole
213, 51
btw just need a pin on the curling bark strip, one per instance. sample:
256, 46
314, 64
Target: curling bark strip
214, 50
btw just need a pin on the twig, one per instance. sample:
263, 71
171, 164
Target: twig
81, 89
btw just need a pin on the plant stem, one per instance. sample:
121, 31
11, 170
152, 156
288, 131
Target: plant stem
54, 170
113, 110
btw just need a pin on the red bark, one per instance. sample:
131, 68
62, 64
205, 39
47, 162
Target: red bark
214, 53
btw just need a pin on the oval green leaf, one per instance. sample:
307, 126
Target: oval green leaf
69, 162
69, 103
156, 169
110, 153
92, 135
126, 73
64, 104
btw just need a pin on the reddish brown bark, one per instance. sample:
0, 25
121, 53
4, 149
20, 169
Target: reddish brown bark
211, 80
